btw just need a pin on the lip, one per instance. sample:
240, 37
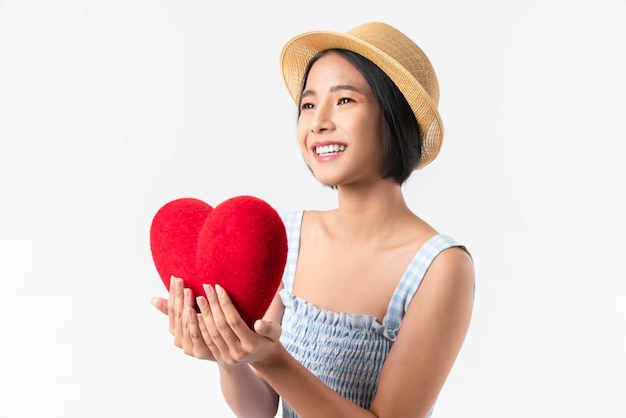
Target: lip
326, 158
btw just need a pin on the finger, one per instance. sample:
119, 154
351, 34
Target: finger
231, 315
187, 343
188, 298
222, 322
170, 304
200, 349
160, 304
204, 317
193, 344
178, 311
267, 329
209, 331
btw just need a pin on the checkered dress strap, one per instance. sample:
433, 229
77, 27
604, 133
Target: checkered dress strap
293, 222
412, 278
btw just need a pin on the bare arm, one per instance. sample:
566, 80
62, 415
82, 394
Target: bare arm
247, 394
431, 336
418, 364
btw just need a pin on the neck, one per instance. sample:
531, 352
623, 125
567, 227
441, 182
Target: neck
370, 214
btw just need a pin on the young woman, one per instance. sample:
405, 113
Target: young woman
375, 303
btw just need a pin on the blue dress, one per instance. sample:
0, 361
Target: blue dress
346, 351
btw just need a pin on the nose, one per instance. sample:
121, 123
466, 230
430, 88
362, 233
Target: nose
321, 119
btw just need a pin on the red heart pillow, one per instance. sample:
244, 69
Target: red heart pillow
241, 244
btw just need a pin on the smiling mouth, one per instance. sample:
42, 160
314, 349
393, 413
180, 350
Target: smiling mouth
330, 149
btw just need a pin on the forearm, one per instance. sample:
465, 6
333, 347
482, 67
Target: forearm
308, 396
246, 394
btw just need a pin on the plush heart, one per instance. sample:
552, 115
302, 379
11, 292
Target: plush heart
241, 244
174, 238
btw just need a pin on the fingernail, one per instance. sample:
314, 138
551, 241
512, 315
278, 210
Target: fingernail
219, 290
207, 289
201, 302
259, 325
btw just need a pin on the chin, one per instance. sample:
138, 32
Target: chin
327, 183
326, 180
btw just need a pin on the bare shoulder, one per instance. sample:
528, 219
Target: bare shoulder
446, 293
318, 214
453, 266
447, 289
313, 220
430, 338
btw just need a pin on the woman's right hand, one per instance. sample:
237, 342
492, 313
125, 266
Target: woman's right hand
184, 321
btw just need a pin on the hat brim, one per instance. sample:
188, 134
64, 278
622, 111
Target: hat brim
298, 51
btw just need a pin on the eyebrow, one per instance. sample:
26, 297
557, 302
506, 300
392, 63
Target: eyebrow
333, 89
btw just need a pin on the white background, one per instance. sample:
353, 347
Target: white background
109, 109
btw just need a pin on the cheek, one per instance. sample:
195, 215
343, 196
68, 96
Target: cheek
301, 134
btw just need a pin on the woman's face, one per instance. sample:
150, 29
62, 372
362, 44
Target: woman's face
340, 124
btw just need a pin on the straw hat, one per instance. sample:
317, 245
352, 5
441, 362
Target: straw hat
399, 57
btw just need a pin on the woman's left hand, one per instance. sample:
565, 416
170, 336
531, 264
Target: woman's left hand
228, 337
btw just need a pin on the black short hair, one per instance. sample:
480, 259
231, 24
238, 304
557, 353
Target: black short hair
402, 144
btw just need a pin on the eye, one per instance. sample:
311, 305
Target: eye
304, 106
345, 100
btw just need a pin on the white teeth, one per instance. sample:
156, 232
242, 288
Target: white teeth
330, 149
